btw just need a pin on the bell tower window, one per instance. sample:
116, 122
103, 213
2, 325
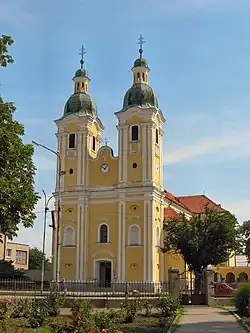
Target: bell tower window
72, 139
135, 133
93, 143
143, 76
157, 136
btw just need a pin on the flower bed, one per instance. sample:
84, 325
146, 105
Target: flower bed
135, 315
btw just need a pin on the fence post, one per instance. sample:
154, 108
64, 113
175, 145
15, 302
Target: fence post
208, 290
174, 281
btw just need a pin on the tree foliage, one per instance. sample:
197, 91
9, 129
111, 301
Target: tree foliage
17, 170
244, 230
206, 239
7, 270
35, 259
5, 58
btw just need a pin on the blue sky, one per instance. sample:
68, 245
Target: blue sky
199, 55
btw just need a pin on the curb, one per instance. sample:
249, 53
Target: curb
176, 321
241, 321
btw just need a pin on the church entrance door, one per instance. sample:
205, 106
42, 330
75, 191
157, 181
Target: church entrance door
105, 269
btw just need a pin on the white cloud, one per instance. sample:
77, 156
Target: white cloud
220, 144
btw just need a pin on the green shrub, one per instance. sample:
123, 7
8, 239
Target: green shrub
107, 320
167, 306
55, 300
37, 315
81, 311
60, 328
21, 308
131, 307
5, 310
147, 305
242, 300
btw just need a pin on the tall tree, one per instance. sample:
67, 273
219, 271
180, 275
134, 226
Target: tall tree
5, 58
244, 230
206, 239
17, 170
35, 259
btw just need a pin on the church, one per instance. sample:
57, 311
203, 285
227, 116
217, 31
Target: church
113, 207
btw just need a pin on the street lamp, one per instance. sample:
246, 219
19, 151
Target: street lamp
57, 229
46, 209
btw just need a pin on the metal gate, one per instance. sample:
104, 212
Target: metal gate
189, 294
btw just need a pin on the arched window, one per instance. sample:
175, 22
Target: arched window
230, 278
134, 235
217, 277
68, 239
72, 139
135, 133
103, 233
243, 277
157, 237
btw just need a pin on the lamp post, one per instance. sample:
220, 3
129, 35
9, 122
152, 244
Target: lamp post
57, 229
46, 209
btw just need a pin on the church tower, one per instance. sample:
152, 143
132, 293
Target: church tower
79, 138
140, 173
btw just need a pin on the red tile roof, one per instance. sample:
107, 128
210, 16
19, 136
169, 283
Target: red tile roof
197, 203
174, 199
169, 212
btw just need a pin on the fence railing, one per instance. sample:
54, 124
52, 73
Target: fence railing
87, 288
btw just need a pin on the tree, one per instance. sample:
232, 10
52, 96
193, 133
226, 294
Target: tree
7, 270
17, 170
244, 230
35, 259
206, 239
5, 58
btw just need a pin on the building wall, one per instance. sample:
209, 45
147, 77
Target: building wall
19, 254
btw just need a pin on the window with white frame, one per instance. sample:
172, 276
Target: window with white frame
157, 236
103, 233
68, 239
134, 133
134, 235
8, 253
21, 257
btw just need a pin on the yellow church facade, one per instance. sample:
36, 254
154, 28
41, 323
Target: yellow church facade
113, 207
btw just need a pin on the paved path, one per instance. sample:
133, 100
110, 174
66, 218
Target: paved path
208, 320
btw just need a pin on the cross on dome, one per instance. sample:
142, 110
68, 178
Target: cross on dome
82, 52
141, 41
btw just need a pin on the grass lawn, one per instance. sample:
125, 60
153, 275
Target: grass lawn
145, 324
141, 324
20, 325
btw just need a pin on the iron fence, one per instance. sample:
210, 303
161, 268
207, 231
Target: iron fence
88, 289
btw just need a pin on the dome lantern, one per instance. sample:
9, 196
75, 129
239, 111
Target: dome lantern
80, 102
140, 68
140, 94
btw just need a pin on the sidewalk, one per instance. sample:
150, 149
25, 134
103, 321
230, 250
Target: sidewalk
210, 320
